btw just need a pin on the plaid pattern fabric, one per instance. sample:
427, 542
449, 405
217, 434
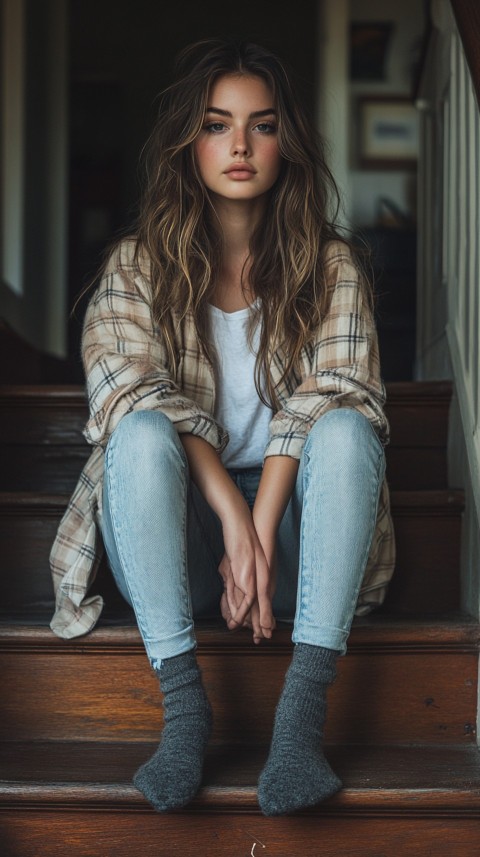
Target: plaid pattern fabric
126, 370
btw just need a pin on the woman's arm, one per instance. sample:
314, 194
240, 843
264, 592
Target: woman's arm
125, 358
341, 369
244, 563
274, 491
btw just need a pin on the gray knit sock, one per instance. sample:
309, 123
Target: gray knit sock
172, 777
297, 774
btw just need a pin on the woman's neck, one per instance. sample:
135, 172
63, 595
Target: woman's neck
233, 289
238, 220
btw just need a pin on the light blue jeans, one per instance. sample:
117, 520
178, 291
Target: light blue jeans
164, 543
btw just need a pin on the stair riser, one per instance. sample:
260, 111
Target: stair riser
415, 469
427, 697
113, 834
56, 469
48, 468
418, 424
25, 544
414, 422
426, 576
43, 448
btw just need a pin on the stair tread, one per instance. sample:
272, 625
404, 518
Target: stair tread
46, 392
437, 497
387, 778
417, 389
377, 629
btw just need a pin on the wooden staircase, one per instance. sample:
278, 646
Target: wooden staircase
78, 717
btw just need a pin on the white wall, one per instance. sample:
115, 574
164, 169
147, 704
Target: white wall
337, 94
333, 95
368, 186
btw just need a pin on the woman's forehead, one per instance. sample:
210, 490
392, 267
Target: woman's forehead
238, 88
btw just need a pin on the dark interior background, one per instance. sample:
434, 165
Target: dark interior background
121, 56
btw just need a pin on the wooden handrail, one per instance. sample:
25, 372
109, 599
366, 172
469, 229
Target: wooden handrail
467, 15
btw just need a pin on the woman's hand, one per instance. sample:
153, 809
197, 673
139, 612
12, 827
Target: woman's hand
267, 584
246, 575
252, 619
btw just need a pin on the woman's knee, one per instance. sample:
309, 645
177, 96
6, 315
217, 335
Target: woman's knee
344, 430
146, 442
144, 429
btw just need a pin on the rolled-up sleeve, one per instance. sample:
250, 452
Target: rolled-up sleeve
340, 368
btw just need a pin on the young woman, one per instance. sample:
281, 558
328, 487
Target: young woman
236, 410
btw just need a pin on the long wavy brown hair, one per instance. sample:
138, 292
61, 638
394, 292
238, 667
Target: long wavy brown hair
178, 231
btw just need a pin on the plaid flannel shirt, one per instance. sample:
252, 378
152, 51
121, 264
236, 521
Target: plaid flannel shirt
126, 369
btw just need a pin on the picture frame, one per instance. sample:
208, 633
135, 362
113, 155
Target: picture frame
387, 133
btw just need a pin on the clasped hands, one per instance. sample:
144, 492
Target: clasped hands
248, 570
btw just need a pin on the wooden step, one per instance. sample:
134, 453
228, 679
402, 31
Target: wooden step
427, 526
418, 414
58, 798
401, 681
43, 447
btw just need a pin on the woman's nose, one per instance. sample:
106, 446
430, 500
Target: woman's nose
240, 144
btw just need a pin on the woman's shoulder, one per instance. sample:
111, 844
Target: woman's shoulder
127, 256
337, 252
340, 262
126, 269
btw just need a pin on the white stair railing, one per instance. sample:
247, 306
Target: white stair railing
461, 265
449, 226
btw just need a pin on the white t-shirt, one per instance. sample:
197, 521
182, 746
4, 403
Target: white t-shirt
238, 407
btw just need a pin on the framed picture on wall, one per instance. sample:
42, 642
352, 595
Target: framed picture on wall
387, 133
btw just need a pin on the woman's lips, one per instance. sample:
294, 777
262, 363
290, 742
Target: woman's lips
240, 172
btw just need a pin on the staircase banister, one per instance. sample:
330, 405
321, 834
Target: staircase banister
467, 16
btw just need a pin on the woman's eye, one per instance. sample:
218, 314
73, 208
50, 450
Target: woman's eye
214, 127
266, 127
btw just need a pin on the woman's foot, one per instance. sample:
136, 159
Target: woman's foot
296, 774
172, 777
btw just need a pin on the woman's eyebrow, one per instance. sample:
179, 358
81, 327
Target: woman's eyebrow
270, 111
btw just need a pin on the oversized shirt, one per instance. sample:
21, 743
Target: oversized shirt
126, 366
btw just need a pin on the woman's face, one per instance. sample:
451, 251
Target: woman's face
237, 149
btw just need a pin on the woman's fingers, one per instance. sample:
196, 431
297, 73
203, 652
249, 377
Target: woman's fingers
258, 634
240, 613
224, 608
265, 616
233, 598
248, 580
252, 620
240, 585
265, 590
225, 570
